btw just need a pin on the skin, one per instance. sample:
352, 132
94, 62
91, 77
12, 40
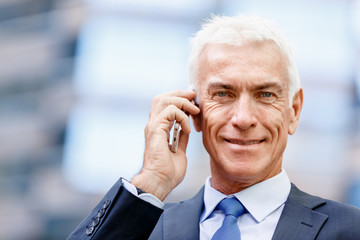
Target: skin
245, 118
245, 113
162, 169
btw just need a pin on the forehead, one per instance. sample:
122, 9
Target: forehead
252, 60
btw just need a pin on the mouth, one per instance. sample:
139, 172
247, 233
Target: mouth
244, 142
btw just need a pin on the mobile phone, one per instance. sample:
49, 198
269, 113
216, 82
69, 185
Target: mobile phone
175, 137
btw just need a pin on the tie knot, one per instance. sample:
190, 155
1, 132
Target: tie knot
231, 206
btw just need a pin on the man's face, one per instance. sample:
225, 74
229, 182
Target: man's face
245, 114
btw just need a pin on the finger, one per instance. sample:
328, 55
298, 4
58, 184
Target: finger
182, 118
181, 103
167, 117
189, 95
175, 96
184, 138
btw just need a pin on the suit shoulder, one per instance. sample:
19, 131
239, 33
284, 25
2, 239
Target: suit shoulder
327, 206
341, 221
339, 209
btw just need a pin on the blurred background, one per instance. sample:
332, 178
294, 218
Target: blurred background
77, 79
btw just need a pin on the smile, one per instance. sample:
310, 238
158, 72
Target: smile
244, 142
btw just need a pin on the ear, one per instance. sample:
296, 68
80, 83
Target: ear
197, 122
296, 107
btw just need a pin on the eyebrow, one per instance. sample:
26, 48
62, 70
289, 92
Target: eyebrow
259, 87
214, 85
268, 85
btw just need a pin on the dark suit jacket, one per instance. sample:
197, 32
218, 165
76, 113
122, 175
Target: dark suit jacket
120, 215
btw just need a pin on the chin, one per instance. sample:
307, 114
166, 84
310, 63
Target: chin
241, 170
244, 173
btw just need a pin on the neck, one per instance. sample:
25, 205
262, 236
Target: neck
230, 186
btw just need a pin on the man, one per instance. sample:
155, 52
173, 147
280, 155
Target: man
248, 99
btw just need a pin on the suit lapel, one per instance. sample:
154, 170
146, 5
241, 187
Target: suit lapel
298, 219
181, 220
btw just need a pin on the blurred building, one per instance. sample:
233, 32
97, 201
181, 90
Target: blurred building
77, 79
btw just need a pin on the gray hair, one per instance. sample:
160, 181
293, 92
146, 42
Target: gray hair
235, 31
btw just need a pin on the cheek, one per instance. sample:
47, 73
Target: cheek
213, 117
277, 123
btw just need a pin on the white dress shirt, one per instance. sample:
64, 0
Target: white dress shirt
148, 197
264, 203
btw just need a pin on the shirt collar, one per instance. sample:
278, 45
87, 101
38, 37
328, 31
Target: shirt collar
260, 200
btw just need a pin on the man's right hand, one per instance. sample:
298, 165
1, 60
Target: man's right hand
163, 169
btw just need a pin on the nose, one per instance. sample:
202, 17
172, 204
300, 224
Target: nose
243, 113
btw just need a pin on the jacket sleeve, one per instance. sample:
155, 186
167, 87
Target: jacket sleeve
119, 215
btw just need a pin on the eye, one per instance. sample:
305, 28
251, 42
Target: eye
221, 94
266, 94
267, 97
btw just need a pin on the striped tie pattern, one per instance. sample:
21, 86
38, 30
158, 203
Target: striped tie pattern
229, 230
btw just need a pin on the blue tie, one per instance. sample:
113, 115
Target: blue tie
229, 230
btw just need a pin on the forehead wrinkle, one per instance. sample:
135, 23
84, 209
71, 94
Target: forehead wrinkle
220, 68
